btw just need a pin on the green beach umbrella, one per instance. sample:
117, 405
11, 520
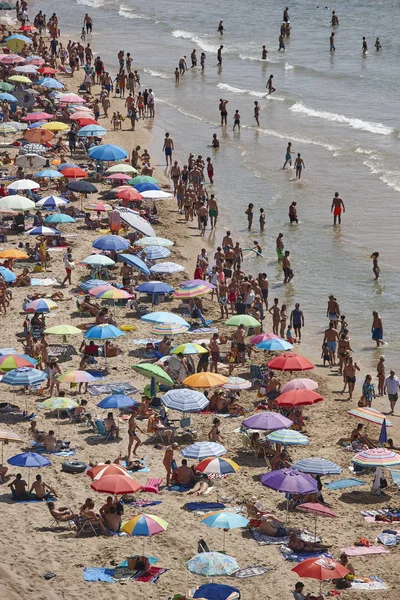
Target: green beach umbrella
63, 330
142, 179
6, 87
153, 372
58, 403
246, 320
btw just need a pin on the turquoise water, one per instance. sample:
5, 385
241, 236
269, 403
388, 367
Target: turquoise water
340, 111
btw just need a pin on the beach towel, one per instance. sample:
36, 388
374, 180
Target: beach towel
363, 550
296, 556
250, 572
204, 506
44, 282
179, 488
142, 503
341, 484
268, 540
395, 475
98, 574
145, 468
124, 387
25, 500
371, 582
62, 350
203, 330
388, 539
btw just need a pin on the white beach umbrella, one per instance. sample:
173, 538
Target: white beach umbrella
156, 195
135, 221
17, 202
167, 267
24, 184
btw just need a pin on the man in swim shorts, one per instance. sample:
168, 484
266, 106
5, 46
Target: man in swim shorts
337, 208
331, 337
279, 246
168, 147
377, 329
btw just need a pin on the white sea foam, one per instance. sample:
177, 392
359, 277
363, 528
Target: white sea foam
257, 59
187, 114
289, 67
377, 128
158, 74
235, 90
284, 136
125, 11
362, 151
199, 41
389, 178
92, 3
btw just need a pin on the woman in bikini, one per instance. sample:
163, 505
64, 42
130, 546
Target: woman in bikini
132, 426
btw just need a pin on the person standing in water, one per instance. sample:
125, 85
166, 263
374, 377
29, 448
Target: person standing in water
221, 27
279, 246
264, 53
288, 157
293, 213
249, 213
378, 46
286, 17
337, 208
377, 329
375, 266
334, 19
256, 113
269, 85
236, 120
223, 111
262, 219
219, 56
364, 46
286, 266
299, 165
332, 42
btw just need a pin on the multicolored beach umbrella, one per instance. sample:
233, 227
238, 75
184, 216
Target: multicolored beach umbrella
369, 414
288, 437
76, 377
237, 383
144, 526
168, 329
217, 466
377, 457
15, 361
212, 564
41, 305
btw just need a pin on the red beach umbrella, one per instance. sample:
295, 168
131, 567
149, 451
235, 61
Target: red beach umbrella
290, 362
320, 569
100, 471
83, 121
116, 484
318, 510
73, 173
130, 195
298, 398
47, 70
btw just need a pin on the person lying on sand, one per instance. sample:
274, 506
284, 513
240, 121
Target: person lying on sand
62, 513
276, 529
296, 543
201, 486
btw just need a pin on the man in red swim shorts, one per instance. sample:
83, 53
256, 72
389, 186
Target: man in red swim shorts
337, 208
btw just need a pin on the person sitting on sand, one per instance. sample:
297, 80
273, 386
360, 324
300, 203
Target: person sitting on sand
183, 475
50, 442
214, 434
111, 522
296, 543
390, 445
105, 509
201, 486
144, 411
23, 279
34, 433
3, 473
155, 426
357, 436
298, 593
111, 349
280, 461
41, 489
18, 487
88, 307
111, 426
62, 513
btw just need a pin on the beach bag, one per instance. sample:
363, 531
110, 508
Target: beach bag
70, 265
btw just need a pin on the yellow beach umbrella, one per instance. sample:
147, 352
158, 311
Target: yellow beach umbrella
55, 126
205, 380
20, 79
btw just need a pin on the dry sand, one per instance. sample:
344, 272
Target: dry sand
30, 544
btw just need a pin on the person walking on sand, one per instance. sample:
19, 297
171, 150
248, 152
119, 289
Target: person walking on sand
297, 321
299, 165
331, 338
392, 385
377, 329
68, 265
167, 148
288, 156
337, 208
349, 376
269, 85
213, 211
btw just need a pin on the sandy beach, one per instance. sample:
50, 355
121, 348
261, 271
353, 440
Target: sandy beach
33, 545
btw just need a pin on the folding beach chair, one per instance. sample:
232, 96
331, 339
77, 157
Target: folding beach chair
102, 431
85, 525
152, 485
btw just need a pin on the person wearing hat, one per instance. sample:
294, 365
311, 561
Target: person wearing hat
54, 371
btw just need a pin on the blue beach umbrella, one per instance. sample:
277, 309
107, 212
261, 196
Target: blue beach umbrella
116, 401
52, 201
146, 186
92, 130
42, 230
317, 466
164, 317
111, 243
134, 261
216, 591
274, 345
185, 400
8, 97
103, 332
383, 438
67, 166
224, 520
29, 459
24, 376
36, 124
7, 275
154, 287
49, 174
200, 450
108, 152
51, 83
156, 252
59, 218
18, 36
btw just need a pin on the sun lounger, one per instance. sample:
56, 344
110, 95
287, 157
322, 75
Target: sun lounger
152, 485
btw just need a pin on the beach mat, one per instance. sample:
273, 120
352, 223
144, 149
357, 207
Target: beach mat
62, 350
143, 503
98, 574
205, 506
123, 387
122, 573
250, 572
43, 282
364, 550
298, 557
179, 488
368, 583
341, 484
268, 540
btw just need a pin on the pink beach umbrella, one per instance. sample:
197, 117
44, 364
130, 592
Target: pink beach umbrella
119, 177
76, 377
300, 384
70, 98
262, 337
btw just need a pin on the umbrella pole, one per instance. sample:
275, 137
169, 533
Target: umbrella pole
287, 511
224, 540
315, 529
2, 453
58, 423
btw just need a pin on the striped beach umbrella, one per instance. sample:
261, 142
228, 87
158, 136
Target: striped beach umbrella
167, 267
317, 466
200, 450
41, 305
144, 526
288, 437
92, 283
190, 348
237, 383
113, 293
217, 466
169, 329
191, 292
156, 252
24, 376
369, 414
100, 471
185, 400
377, 457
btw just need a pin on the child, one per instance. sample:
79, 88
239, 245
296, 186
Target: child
236, 120
210, 169
343, 324
289, 337
375, 265
325, 354
262, 219
83, 34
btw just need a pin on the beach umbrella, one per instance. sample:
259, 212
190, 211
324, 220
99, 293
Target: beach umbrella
189, 349
56, 126
153, 372
113, 294
237, 383
154, 241
76, 377
4, 86
191, 292
200, 450
24, 184
369, 414
81, 109
274, 345
7, 275
217, 466
143, 179
42, 305
146, 187
66, 165
13, 253
58, 403
383, 438
83, 187
224, 520
16, 43
51, 83
212, 564
288, 437
169, 329
290, 481
11, 59
42, 230
52, 201
267, 421
84, 120
97, 290
107, 153
131, 218
92, 130
35, 60
59, 218
134, 261
321, 569
144, 526
214, 591
29, 460
26, 69
167, 267
70, 98
99, 471
113, 243
63, 330
16, 202
156, 195
98, 260
33, 149
37, 116
117, 485
290, 362
92, 283
118, 177
70, 173
6, 129
376, 457
184, 400
205, 380
98, 207
154, 287
298, 398
318, 510
164, 317
299, 384
9, 362
116, 401
196, 282
5, 96
246, 320
103, 332
49, 174
156, 252
121, 168
47, 70
38, 136
8, 437
18, 126
317, 466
